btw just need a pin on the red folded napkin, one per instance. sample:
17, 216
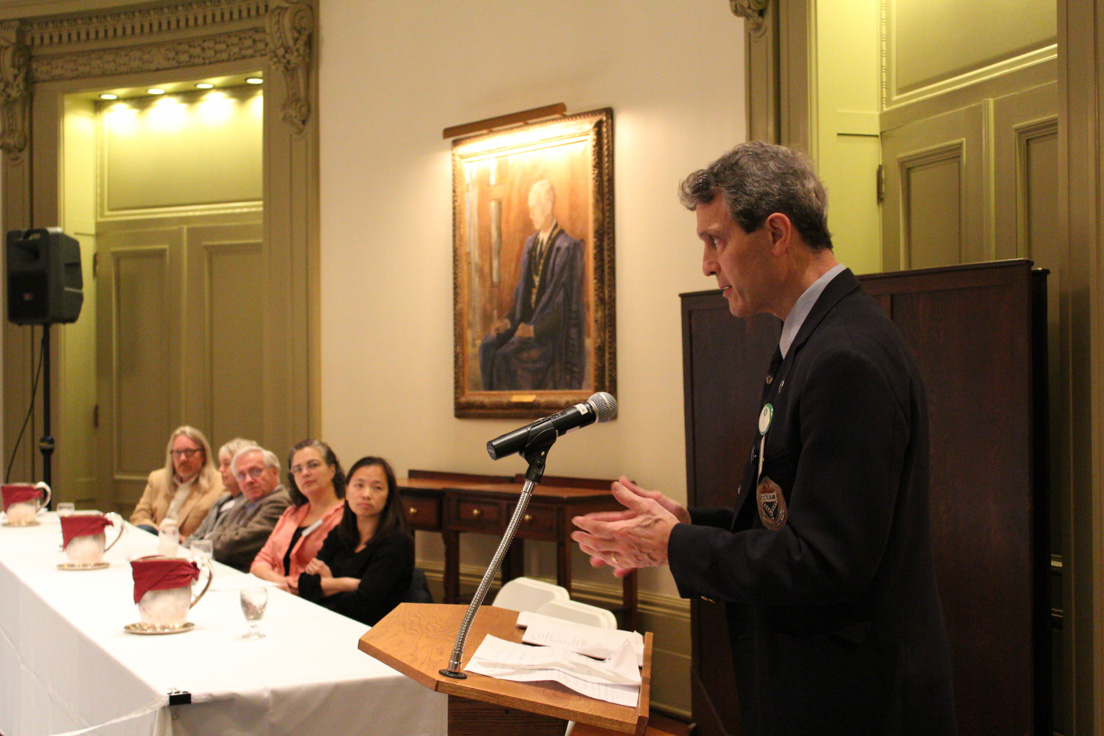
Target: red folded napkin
161, 573
19, 493
82, 525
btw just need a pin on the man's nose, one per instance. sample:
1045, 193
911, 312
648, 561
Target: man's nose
709, 261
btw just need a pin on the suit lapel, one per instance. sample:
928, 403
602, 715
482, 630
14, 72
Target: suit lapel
841, 286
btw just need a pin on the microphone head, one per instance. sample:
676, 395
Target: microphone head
604, 406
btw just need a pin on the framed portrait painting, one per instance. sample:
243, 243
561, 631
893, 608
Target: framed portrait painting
533, 267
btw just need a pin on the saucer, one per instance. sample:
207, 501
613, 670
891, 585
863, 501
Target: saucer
88, 566
150, 629
25, 523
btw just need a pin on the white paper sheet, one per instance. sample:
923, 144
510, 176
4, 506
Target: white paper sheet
589, 640
595, 679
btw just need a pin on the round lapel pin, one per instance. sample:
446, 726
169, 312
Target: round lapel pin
765, 418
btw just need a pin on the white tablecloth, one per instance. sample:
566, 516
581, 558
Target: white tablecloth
66, 664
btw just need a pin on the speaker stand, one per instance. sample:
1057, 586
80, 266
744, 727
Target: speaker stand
46, 444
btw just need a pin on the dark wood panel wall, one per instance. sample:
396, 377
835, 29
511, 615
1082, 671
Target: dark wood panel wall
979, 336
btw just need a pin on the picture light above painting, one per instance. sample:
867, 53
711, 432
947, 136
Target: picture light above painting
533, 267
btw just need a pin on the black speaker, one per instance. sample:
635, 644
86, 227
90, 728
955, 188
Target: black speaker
44, 277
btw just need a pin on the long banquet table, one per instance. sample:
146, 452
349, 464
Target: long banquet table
67, 665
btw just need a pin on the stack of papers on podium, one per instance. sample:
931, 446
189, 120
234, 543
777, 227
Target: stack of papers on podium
599, 663
615, 679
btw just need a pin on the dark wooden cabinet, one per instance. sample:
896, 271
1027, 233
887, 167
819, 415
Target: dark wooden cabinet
452, 504
979, 336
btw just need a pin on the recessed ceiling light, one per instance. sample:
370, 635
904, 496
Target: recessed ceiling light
254, 80
108, 96
204, 85
155, 91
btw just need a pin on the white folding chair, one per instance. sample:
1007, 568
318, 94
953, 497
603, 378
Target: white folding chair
580, 613
528, 594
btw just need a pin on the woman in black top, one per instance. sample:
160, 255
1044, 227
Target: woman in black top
365, 565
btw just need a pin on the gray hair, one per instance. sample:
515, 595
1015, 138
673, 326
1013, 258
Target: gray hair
270, 459
758, 179
544, 190
232, 447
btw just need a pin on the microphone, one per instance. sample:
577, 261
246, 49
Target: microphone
601, 407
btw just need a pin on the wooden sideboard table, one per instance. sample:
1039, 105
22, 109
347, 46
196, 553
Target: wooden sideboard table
454, 503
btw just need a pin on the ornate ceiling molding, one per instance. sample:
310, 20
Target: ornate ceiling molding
290, 26
14, 92
195, 17
753, 12
185, 34
244, 44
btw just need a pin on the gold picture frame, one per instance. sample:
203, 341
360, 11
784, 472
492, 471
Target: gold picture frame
533, 278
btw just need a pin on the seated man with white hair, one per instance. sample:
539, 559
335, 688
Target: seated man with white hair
239, 537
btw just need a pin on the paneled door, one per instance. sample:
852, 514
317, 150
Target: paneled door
180, 341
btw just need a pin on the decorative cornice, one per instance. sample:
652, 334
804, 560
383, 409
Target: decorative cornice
248, 43
290, 26
14, 92
193, 17
753, 12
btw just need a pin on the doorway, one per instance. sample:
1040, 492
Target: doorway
69, 60
178, 258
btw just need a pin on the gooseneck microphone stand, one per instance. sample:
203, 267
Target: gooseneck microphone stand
535, 453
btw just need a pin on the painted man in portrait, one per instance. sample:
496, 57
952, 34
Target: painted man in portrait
540, 344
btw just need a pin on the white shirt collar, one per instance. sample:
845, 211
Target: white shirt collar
803, 306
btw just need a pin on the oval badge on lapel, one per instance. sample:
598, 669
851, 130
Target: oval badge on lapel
772, 504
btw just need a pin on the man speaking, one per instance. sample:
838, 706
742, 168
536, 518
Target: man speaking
824, 558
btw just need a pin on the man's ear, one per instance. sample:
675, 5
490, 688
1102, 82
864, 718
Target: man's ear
781, 231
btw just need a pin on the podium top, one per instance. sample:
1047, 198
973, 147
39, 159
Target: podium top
417, 640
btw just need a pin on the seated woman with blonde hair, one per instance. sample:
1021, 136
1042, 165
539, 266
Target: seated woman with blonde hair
183, 490
366, 564
317, 486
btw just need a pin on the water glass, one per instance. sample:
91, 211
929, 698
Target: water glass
66, 508
168, 540
203, 549
253, 603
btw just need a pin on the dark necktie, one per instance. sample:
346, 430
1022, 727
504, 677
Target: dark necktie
772, 371
752, 469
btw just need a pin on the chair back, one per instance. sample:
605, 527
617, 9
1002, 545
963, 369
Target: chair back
419, 588
580, 613
527, 594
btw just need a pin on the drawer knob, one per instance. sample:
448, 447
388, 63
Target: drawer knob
413, 511
528, 518
476, 513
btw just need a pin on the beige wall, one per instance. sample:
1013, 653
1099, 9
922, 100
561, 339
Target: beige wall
393, 75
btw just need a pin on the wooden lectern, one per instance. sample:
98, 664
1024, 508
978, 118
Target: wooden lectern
417, 640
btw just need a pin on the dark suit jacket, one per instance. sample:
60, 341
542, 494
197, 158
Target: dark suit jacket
834, 619
239, 537
555, 357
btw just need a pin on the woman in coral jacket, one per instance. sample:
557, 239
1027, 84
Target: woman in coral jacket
317, 486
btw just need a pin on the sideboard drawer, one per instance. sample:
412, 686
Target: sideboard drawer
475, 515
421, 512
538, 522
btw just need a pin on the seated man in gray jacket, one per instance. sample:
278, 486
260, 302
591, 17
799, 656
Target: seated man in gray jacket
222, 505
239, 537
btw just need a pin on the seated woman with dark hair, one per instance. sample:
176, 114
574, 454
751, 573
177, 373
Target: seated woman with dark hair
366, 563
